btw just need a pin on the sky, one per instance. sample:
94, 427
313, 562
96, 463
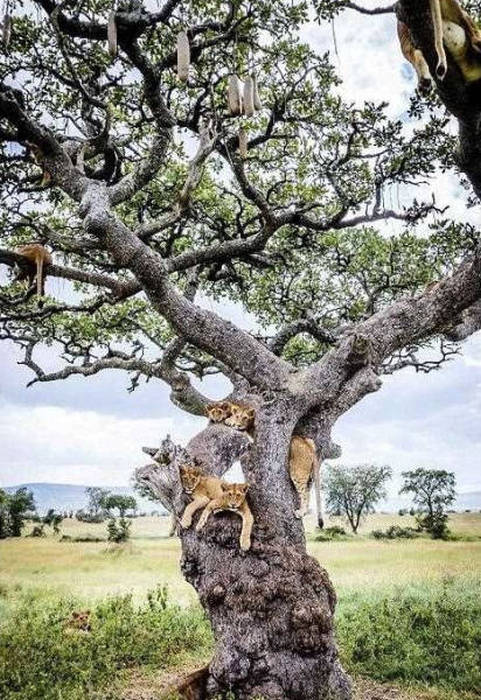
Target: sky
90, 431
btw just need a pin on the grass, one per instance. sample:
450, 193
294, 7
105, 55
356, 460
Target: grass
428, 633
408, 610
93, 570
43, 658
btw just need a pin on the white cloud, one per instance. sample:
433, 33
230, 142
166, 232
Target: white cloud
50, 443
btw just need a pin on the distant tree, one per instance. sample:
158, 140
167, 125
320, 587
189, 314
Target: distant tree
18, 505
118, 531
96, 496
3, 515
354, 491
54, 520
119, 502
434, 490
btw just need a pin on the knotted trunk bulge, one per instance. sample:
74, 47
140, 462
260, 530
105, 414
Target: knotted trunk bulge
271, 608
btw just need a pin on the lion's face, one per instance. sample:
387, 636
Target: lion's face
190, 475
235, 494
219, 412
80, 621
241, 418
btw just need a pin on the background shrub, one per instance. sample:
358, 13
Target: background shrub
395, 532
430, 634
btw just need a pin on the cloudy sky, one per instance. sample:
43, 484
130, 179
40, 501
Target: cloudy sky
91, 431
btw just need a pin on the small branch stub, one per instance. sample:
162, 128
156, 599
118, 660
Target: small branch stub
242, 143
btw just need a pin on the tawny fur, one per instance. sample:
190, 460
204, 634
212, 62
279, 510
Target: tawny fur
201, 487
302, 454
414, 56
39, 257
39, 159
233, 498
453, 29
79, 622
302, 461
191, 687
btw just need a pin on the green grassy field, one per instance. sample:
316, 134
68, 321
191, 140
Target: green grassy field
94, 570
384, 587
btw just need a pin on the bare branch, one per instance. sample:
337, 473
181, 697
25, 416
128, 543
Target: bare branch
368, 11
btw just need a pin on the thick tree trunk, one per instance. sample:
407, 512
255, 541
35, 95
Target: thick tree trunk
272, 615
271, 608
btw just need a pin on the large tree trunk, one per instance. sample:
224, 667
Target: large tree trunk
271, 609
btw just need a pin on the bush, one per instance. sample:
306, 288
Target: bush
38, 531
84, 517
436, 524
41, 658
82, 538
329, 534
395, 532
431, 635
118, 532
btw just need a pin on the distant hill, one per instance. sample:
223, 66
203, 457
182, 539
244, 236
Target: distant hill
67, 497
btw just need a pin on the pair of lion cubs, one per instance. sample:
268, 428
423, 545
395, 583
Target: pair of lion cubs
214, 495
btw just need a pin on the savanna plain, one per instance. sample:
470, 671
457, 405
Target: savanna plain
408, 617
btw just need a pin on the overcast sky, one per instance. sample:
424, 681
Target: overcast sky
91, 431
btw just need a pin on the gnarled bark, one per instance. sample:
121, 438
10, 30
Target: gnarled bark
271, 608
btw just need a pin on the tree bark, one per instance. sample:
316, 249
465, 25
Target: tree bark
271, 608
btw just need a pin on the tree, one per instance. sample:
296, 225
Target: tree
18, 505
434, 490
3, 515
119, 502
96, 497
118, 531
147, 227
53, 520
354, 491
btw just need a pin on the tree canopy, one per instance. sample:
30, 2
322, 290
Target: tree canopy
293, 232
355, 491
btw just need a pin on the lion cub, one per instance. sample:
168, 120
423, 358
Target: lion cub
234, 499
302, 452
202, 487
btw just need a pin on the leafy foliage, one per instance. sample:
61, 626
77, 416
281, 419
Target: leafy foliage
13, 511
428, 633
41, 658
118, 531
324, 165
